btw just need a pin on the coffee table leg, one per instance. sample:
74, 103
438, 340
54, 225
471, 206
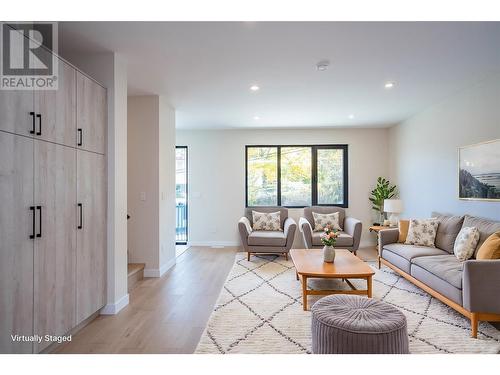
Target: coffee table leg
369, 286
304, 292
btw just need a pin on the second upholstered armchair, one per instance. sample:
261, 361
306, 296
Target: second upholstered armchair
266, 240
350, 228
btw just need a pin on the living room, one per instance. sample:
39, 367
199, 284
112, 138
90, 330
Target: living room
250, 185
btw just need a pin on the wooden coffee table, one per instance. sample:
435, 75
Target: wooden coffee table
309, 264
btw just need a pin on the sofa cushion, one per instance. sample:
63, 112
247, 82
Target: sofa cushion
322, 220
403, 227
410, 251
397, 260
266, 221
466, 243
486, 228
447, 231
324, 210
490, 249
422, 232
267, 238
436, 283
446, 267
282, 210
343, 240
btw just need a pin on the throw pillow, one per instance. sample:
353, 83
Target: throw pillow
266, 220
403, 230
422, 232
466, 243
322, 220
490, 249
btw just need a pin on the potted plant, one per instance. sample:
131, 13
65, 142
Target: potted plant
329, 238
384, 190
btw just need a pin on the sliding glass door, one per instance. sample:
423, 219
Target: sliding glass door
181, 195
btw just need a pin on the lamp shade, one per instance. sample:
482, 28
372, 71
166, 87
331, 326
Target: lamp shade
393, 205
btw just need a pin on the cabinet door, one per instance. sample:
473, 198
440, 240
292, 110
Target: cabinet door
56, 109
16, 112
91, 235
16, 246
92, 115
55, 242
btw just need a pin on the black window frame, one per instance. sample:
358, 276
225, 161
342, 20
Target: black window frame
314, 172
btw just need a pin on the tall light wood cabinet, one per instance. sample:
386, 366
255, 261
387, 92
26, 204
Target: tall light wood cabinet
91, 118
91, 234
53, 212
17, 215
55, 243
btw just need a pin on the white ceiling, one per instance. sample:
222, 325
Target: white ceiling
205, 69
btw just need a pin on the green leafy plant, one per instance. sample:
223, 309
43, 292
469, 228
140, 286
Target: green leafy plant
383, 190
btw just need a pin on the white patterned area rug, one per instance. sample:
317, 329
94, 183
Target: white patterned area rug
260, 311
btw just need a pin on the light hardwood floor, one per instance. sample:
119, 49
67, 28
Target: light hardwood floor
168, 314
165, 315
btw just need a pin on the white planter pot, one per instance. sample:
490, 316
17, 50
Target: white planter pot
328, 254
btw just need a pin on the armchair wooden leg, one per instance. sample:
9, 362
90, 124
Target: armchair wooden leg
286, 256
379, 263
248, 256
473, 324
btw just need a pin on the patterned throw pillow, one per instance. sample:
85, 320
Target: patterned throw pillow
422, 232
466, 243
266, 220
322, 220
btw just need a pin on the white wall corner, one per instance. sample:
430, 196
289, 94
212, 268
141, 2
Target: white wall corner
115, 308
155, 272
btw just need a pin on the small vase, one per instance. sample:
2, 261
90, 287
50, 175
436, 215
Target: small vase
328, 254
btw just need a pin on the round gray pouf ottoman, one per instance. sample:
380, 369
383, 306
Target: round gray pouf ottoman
350, 324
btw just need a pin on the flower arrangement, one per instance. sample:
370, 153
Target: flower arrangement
329, 236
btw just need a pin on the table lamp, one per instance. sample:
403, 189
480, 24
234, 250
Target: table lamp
394, 207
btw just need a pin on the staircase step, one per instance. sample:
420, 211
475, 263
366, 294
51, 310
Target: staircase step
135, 274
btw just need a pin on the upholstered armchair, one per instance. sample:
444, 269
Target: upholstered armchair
266, 241
350, 235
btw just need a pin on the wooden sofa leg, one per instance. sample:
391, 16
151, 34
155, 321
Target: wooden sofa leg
286, 256
248, 257
473, 325
379, 263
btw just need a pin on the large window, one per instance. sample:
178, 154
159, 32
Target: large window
296, 176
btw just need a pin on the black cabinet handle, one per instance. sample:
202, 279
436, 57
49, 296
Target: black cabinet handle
32, 131
80, 137
39, 208
39, 116
32, 235
80, 226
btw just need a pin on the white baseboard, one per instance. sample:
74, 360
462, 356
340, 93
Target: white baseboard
214, 243
115, 308
155, 272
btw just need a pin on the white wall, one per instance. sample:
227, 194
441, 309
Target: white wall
424, 151
167, 184
151, 183
110, 69
216, 161
143, 167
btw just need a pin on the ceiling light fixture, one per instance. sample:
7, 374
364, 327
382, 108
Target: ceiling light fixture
389, 85
254, 88
351, 117
322, 65
256, 118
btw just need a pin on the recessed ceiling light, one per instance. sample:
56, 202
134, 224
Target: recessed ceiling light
256, 118
323, 65
254, 88
351, 117
389, 85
